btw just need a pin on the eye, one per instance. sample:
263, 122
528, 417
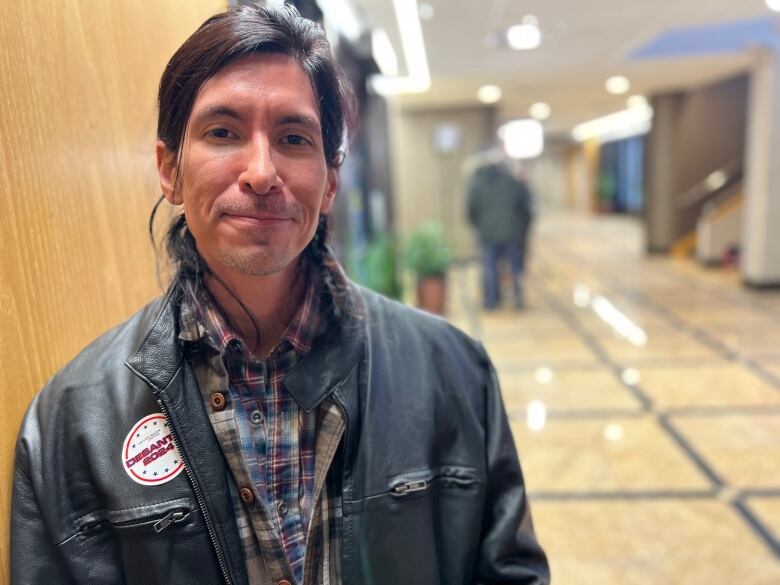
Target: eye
220, 133
295, 140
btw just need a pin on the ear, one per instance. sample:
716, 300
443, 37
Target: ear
331, 189
166, 170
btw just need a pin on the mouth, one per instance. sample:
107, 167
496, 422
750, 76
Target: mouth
261, 220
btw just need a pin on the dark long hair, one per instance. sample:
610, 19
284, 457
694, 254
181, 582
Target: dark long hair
238, 32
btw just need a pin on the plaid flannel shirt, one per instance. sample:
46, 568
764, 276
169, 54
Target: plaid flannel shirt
287, 505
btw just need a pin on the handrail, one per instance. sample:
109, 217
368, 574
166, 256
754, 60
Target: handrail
713, 183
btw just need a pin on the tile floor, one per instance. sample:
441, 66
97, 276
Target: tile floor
644, 398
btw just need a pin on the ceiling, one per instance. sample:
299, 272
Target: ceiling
583, 43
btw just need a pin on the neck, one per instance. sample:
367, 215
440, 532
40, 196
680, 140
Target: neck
259, 307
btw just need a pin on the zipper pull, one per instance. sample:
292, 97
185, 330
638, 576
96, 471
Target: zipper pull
166, 521
410, 487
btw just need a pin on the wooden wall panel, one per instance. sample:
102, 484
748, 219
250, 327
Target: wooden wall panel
78, 81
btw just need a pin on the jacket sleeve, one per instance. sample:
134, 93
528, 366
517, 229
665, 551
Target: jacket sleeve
509, 552
34, 557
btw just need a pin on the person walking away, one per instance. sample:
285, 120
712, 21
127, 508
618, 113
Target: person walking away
499, 208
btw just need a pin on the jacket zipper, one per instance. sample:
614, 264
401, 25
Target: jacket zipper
410, 487
161, 522
198, 497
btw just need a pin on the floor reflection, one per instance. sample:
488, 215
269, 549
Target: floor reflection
644, 397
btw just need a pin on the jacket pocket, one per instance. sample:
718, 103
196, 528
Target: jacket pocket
152, 519
164, 544
156, 523
420, 482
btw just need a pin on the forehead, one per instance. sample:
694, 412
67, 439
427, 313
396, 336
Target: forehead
259, 83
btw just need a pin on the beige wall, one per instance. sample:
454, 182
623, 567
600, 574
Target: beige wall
77, 110
431, 185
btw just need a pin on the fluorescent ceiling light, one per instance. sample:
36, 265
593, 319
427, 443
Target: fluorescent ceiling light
489, 94
419, 78
524, 37
383, 52
342, 16
617, 85
773, 5
523, 138
540, 111
623, 124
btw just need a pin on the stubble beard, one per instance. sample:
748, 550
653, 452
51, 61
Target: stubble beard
264, 262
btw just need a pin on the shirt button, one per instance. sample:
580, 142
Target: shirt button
218, 401
247, 495
281, 507
256, 417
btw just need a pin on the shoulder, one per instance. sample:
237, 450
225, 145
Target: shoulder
96, 376
406, 329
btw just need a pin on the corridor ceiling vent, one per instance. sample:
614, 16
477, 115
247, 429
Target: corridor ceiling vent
634, 121
522, 138
418, 79
773, 5
540, 111
617, 85
341, 15
526, 36
489, 94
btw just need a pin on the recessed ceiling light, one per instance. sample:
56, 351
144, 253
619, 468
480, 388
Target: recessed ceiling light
617, 85
773, 5
540, 111
637, 101
489, 94
425, 11
523, 37
523, 138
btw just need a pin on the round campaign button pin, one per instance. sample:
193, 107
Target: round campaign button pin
149, 454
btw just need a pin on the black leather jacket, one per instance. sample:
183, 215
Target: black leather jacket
432, 489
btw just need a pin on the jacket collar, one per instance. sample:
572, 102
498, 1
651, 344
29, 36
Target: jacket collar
159, 356
334, 354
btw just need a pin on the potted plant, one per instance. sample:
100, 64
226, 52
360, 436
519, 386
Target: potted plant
379, 266
428, 257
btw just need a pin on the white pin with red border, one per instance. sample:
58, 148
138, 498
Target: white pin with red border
149, 455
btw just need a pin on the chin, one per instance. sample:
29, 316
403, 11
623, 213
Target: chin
256, 263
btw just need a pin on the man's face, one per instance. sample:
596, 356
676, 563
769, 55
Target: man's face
254, 178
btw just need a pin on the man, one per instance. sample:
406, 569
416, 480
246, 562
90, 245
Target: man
266, 421
499, 208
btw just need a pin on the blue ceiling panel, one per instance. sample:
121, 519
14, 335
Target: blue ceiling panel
732, 37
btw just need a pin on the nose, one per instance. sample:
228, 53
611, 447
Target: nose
260, 175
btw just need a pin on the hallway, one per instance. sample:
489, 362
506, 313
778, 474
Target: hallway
644, 396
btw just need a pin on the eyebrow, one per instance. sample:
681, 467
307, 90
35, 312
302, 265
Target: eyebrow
301, 119
216, 112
